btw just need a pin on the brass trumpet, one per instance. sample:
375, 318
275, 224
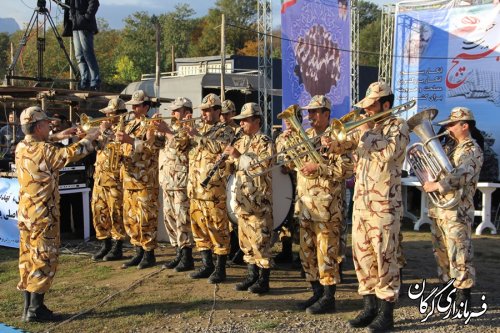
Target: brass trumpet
187, 121
87, 122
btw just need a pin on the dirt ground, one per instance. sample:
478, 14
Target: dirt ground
156, 300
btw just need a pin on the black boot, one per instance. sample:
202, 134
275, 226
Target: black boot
116, 252
106, 246
148, 260
187, 262
237, 258
326, 304
286, 255
384, 321
37, 311
27, 296
208, 266
262, 284
139, 253
252, 277
365, 317
219, 274
173, 263
463, 298
317, 293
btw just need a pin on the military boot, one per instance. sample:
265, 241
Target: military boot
365, 317
207, 267
262, 284
26, 296
326, 304
317, 293
139, 253
148, 260
463, 298
252, 277
219, 274
116, 252
37, 311
173, 263
384, 321
105, 248
187, 262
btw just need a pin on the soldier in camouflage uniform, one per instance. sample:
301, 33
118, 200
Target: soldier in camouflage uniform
209, 219
378, 208
173, 165
140, 148
451, 227
107, 195
228, 113
253, 198
38, 163
320, 210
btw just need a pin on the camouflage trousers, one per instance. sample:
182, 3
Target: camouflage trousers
375, 253
254, 233
38, 255
319, 250
453, 251
107, 211
140, 216
176, 218
210, 225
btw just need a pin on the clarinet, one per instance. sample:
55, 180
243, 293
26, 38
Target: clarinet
221, 159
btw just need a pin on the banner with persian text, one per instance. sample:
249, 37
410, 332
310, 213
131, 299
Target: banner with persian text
9, 199
315, 50
450, 57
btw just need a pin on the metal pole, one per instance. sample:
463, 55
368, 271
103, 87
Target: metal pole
71, 74
222, 57
172, 54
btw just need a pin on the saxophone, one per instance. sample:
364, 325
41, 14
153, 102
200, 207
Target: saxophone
114, 148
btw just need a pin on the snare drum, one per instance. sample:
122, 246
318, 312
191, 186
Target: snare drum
282, 197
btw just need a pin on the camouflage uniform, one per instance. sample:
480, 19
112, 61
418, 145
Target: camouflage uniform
254, 199
173, 168
107, 198
209, 219
378, 207
38, 164
451, 228
320, 208
140, 186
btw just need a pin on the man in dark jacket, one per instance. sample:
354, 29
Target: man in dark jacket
84, 25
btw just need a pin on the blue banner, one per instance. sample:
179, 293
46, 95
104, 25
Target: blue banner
450, 57
9, 199
316, 53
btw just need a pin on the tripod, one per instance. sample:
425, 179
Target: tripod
41, 9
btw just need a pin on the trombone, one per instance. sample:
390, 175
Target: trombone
338, 130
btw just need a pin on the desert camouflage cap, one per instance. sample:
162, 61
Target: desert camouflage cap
114, 104
209, 101
33, 114
228, 106
375, 91
318, 101
138, 97
180, 102
249, 110
458, 113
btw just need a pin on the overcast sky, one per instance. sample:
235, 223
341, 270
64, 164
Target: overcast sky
114, 11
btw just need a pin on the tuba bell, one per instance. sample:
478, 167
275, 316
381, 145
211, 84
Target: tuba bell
428, 158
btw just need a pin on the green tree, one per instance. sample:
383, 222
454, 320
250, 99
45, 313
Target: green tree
4, 54
240, 15
368, 13
369, 43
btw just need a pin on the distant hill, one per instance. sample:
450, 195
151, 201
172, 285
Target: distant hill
8, 25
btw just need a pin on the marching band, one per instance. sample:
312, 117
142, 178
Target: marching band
190, 163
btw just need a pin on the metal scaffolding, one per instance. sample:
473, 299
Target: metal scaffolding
354, 52
265, 63
386, 43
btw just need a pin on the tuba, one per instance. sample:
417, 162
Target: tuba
428, 159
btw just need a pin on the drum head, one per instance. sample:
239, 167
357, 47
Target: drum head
282, 197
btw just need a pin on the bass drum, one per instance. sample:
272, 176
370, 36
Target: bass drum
282, 197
